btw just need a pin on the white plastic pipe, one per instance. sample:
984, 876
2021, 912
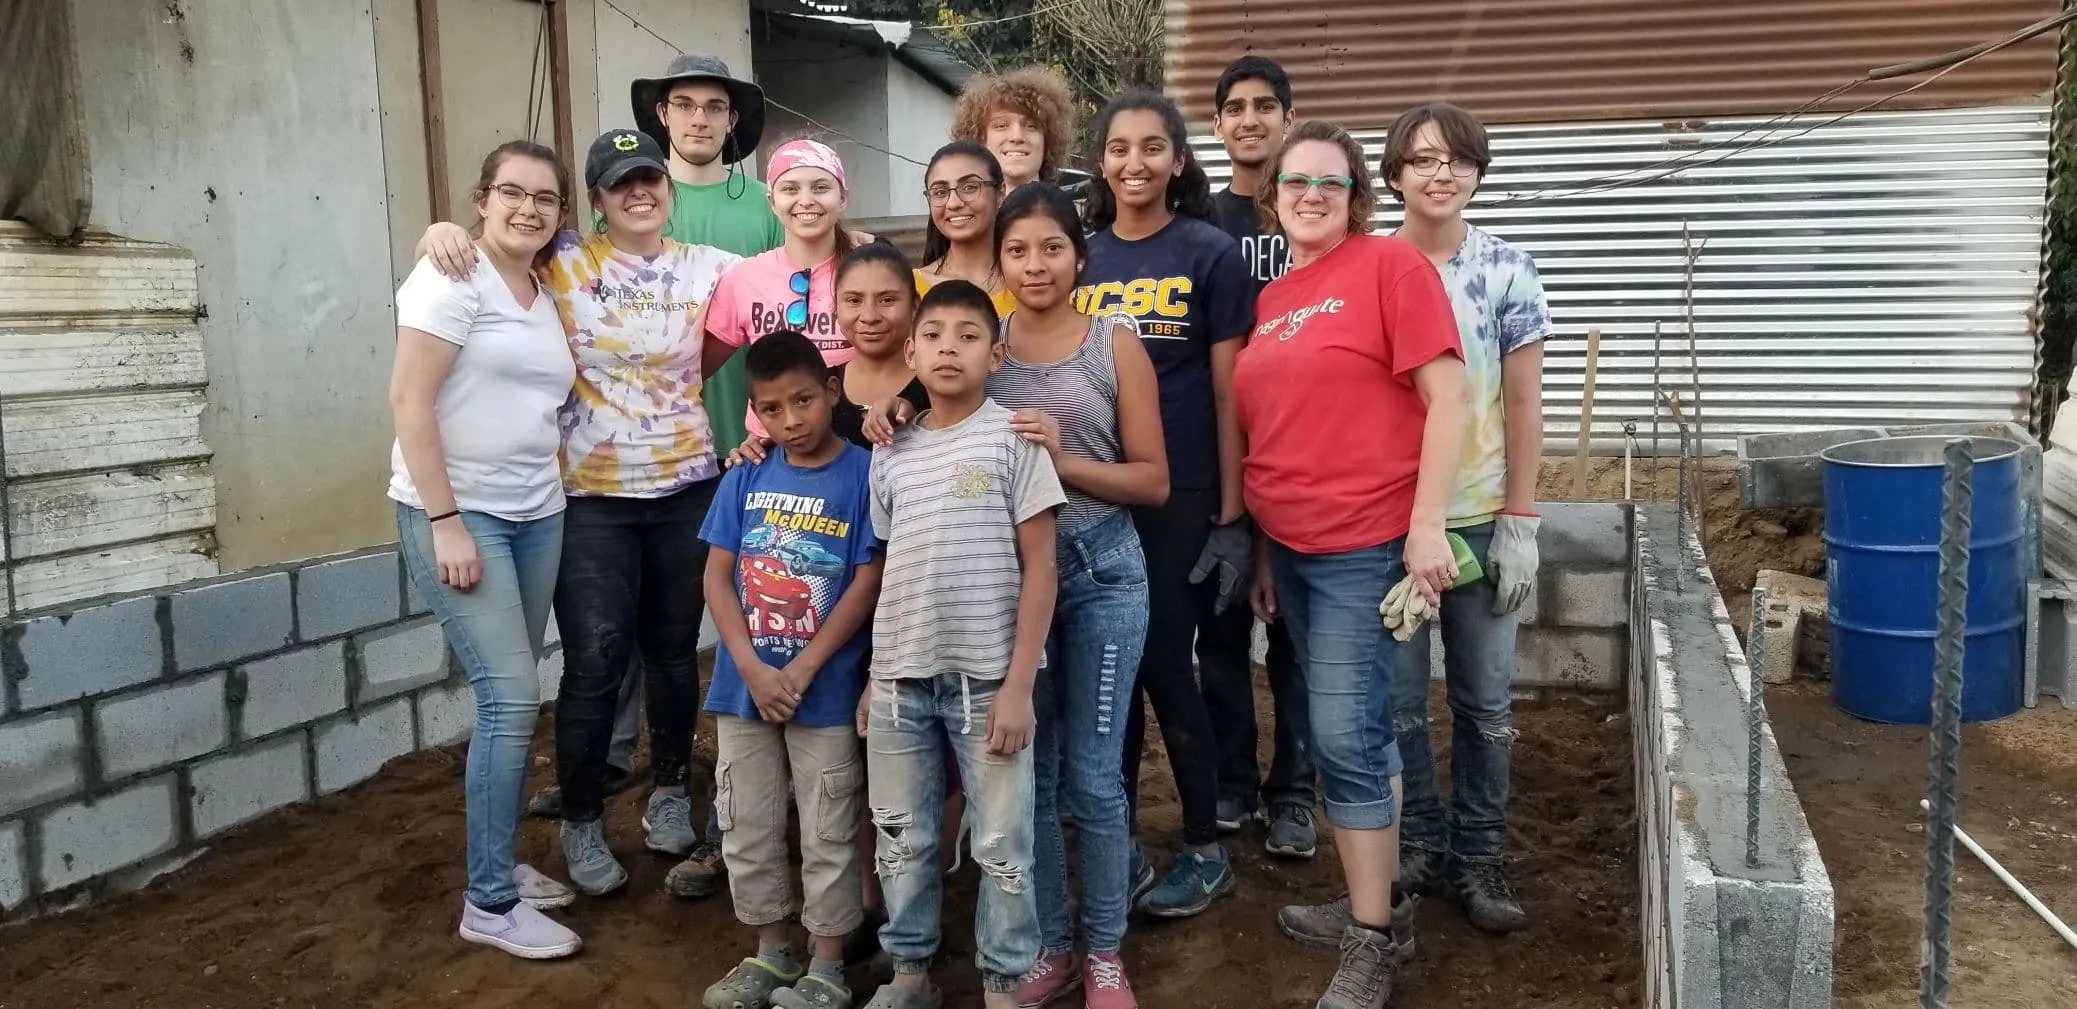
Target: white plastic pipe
2006, 878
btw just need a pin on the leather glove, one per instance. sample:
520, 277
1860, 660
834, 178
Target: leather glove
1513, 559
1405, 609
1230, 552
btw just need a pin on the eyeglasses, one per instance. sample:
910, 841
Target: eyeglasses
687, 107
514, 197
1330, 186
1426, 167
967, 188
797, 310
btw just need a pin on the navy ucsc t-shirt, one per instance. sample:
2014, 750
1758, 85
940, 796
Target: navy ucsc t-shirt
799, 534
1187, 287
1263, 252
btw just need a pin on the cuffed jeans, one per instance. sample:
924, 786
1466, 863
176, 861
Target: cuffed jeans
630, 584
1173, 537
1331, 602
1477, 666
761, 764
1093, 654
1226, 667
910, 722
496, 630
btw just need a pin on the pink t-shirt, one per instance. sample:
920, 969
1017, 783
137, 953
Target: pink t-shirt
752, 300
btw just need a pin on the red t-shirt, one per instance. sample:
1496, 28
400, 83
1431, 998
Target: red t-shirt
1326, 394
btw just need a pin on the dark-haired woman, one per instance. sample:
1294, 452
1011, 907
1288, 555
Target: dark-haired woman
1154, 254
964, 187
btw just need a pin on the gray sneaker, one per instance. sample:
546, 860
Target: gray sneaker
1489, 899
593, 869
1230, 812
813, 991
1326, 924
1420, 870
1369, 968
1291, 833
750, 985
890, 997
668, 821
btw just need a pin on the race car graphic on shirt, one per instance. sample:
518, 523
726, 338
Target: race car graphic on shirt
787, 583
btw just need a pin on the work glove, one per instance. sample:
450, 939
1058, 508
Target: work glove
1513, 559
1230, 552
1405, 609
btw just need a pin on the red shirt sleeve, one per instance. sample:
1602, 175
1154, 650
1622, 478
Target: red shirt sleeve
1420, 325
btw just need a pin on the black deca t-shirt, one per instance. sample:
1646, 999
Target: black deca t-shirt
1263, 252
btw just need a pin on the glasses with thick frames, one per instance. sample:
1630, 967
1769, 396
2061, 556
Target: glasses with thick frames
514, 197
1330, 186
967, 188
1426, 167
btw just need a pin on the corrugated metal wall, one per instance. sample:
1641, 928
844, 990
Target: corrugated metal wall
1513, 61
1881, 270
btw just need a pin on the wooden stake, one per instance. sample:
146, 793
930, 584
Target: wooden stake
1586, 416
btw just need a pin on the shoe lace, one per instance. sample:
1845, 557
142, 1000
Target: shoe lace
1488, 881
705, 850
1043, 969
1106, 973
1365, 967
1292, 811
671, 813
589, 842
1188, 869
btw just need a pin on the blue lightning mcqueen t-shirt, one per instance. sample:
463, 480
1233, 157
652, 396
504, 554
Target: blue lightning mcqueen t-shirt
1188, 288
799, 534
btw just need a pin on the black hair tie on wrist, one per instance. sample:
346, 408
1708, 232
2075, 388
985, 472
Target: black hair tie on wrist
443, 516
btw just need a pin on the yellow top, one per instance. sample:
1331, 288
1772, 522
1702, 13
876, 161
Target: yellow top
1005, 302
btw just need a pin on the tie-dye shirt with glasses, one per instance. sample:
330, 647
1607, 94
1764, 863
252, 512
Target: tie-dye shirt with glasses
767, 292
1498, 299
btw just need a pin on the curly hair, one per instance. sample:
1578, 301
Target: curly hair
1032, 92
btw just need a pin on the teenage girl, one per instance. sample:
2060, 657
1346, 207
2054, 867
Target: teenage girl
964, 187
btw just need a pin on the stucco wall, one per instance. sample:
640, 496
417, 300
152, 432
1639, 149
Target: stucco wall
919, 118
625, 52
844, 90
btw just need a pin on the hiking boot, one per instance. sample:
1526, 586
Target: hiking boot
1324, 924
538, 891
1104, 985
548, 802
814, 991
523, 932
1189, 887
699, 875
750, 985
1052, 976
1291, 832
593, 869
668, 821
1420, 870
1142, 876
1230, 812
1489, 899
1369, 967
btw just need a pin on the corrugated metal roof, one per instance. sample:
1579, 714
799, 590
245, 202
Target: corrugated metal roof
1880, 270
1512, 61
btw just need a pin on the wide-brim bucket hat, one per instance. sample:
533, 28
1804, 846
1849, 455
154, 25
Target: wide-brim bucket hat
745, 99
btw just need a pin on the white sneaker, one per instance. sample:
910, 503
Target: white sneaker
522, 932
540, 892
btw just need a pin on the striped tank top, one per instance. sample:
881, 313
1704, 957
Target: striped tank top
1080, 393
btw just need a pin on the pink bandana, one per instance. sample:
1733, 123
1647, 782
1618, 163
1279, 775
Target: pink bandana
803, 154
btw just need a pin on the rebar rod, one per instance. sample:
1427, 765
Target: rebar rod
1680, 517
1951, 611
1755, 714
1657, 328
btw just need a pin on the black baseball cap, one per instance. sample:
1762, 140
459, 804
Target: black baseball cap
616, 153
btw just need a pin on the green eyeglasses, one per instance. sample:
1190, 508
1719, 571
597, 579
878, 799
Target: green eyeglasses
1330, 186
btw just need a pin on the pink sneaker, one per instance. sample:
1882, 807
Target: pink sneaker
1104, 985
1051, 977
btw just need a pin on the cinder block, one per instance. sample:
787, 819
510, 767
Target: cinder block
1586, 597
294, 689
14, 868
415, 604
446, 715
1574, 658
90, 651
148, 730
402, 659
234, 788
347, 595
41, 759
1583, 532
83, 840
229, 621
351, 750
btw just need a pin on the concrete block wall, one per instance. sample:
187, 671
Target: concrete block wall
1719, 933
133, 729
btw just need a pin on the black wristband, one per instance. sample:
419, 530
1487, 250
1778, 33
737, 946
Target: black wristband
442, 517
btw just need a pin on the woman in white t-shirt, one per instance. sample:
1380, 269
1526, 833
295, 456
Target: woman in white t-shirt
481, 371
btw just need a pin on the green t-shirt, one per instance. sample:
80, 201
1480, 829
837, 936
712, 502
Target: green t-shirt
746, 226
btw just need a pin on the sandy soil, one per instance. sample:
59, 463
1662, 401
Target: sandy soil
351, 901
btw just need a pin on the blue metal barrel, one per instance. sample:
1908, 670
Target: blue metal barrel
1882, 566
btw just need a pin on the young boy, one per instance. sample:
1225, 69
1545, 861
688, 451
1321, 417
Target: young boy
966, 507
793, 575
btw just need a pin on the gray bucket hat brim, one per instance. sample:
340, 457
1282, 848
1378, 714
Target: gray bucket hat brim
745, 99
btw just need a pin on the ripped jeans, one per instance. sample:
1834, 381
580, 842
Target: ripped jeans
1082, 699
910, 721
1477, 665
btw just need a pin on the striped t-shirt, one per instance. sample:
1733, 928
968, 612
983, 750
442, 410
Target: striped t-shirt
1080, 393
948, 504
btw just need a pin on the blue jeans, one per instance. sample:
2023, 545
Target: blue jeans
1331, 602
1099, 630
1477, 666
906, 736
496, 630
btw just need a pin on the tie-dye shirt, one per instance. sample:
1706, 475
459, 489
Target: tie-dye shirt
634, 426
1498, 298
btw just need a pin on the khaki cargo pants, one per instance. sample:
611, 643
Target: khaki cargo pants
757, 761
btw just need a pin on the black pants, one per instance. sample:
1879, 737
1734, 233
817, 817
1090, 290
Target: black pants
631, 585
1227, 669
1173, 536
